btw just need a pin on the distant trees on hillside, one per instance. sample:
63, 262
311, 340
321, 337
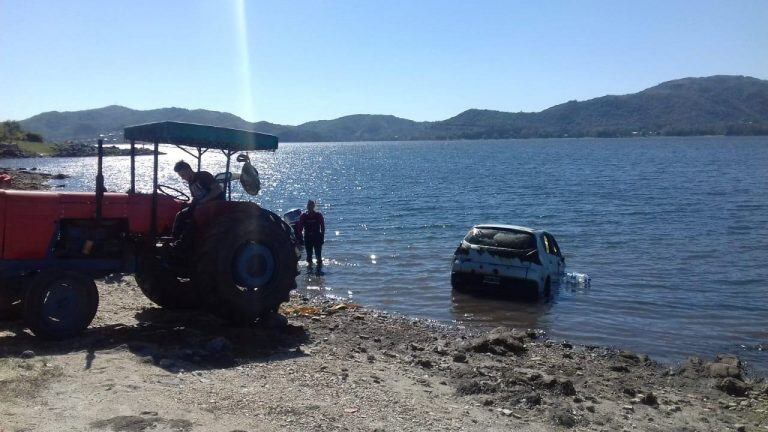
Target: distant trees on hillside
717, 105
750, 128
11, 131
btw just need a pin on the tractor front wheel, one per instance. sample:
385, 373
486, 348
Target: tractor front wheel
60, 304
246, 263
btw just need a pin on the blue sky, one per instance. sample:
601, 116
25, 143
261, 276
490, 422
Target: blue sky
294, 61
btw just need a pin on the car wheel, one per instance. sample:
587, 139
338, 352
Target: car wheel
457, 284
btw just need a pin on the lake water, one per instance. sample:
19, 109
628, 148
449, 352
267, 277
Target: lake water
672, 231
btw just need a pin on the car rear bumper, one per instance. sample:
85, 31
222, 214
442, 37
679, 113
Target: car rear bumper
495, 284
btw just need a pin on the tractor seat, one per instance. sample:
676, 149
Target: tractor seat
226, 177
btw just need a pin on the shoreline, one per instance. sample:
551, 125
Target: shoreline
747, 368
33, 180
340, 366
28, 150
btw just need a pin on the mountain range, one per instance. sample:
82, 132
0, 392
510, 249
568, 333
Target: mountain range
715, 105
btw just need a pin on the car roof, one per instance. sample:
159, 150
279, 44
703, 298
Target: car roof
509, 227
202, 136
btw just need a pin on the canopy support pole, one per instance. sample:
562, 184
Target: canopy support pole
228, 154
133, 167
99, 179
153, 221
198, 156
187, 152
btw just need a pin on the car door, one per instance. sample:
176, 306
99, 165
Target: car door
546, 258
556, 256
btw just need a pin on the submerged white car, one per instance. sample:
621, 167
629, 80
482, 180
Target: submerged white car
507, 259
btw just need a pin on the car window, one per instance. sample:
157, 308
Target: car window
551, 245
507, 239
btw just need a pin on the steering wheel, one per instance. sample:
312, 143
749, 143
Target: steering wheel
173, 192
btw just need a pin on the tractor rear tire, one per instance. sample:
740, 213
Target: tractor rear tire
159, 284
60, 304
11, 297
246, 263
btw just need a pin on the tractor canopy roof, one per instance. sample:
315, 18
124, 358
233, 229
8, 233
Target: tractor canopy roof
201, 136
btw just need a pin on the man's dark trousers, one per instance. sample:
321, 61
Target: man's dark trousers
317, 246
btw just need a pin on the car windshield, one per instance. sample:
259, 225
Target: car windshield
507, 239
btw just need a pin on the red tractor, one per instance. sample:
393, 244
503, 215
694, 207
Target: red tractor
241, 264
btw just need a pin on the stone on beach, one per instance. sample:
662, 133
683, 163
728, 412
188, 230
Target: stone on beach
567, 388
649, 399
722, 370
563, 417
499, 341
733, 386
460, 358
724, 366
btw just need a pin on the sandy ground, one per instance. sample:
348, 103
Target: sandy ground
339, 367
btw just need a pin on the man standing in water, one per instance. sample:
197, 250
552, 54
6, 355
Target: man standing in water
311, 228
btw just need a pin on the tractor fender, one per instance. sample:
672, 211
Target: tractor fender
207, 213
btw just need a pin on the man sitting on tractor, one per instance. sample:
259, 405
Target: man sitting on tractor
203, 188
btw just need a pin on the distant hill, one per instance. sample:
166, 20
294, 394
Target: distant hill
88, 124
366, 127
716, 105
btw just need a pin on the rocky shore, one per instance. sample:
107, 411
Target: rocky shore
13, 151
16, 151
24, 179
84, 150
336, 366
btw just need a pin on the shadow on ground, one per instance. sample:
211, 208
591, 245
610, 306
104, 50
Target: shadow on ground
171, 340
